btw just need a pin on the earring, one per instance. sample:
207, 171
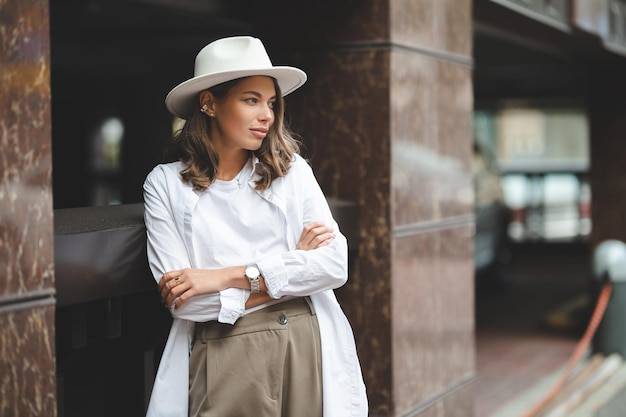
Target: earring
204, 107
212, 114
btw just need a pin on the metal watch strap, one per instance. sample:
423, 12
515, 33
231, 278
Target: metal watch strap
252, 273
254, 286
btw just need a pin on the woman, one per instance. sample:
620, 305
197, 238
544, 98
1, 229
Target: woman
246, 253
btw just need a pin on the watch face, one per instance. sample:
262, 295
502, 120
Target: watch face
252, 272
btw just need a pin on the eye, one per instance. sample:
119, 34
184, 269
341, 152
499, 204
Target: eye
251, 100
271, 104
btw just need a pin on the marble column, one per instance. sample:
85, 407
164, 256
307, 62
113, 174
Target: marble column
386, 120
27, 348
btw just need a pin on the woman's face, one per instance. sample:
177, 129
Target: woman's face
243, 118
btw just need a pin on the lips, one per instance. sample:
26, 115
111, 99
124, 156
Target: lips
260, 132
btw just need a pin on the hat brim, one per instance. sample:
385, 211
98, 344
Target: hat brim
180, 100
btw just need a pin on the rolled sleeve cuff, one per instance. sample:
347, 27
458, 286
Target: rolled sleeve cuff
233, 302
274, 273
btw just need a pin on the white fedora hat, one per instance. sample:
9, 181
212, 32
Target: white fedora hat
228, 59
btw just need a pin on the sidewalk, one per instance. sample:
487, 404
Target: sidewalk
596, 389
519, 345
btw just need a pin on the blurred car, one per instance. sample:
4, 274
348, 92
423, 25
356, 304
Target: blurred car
492, 252
548, 206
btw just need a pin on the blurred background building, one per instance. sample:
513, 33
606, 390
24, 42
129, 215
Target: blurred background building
409, 105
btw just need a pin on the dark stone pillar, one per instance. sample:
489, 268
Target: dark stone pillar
27, 348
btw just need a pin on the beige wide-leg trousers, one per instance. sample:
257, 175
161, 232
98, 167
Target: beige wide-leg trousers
268, 364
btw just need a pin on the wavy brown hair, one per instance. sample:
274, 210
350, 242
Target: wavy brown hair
193, 146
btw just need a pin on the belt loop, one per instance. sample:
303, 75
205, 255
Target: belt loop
310, 303
200, 333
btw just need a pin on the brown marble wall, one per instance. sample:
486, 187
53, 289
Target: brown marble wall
433, 320
386, 120
27, 345
432, 208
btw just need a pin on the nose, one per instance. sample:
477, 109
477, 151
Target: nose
267, 113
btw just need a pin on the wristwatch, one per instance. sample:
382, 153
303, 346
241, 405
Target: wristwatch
252, 273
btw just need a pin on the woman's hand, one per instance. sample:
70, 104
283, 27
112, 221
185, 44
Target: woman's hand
315, 235
185, 283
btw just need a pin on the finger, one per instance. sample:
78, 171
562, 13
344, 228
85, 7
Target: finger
170, 299
163, 281
168, 287
318, 229
181, 295
313, 225
320, 239
177, 286
313, 233
164, 294
307, 229
323, 238
171, 296
167, 277
308, 243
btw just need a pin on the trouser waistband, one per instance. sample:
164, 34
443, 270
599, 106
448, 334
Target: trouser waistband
271, 317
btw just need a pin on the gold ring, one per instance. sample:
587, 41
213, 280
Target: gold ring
177, 279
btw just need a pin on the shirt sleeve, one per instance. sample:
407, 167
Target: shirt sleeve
166, 252
299, 272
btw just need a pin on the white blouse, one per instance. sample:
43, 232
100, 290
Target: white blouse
233, 224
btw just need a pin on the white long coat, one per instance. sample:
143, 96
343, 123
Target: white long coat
169, 207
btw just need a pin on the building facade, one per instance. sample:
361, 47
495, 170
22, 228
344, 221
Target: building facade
386, 119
